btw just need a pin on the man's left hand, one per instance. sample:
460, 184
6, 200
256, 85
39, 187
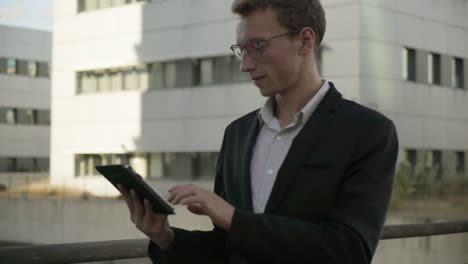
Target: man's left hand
203, 202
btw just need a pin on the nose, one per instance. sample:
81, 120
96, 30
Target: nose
247, 63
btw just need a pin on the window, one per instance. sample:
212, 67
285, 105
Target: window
81, 6
32, 68
90, 162
156, 166
220, 70
11, 116
178, 165
106, 159
162, 75
124, 158
80, 165
27, 116
460, 162
89, 83
88, 5
433, 68
24, 116
116, 80
204, 165
3, 115
94, 160
157, 76
169, 74
3, 65
411, 158
206, 71
21, 67
43, 69
142, 73
409, 64
185, 73
105, 3
103, 81
457, 73
25, 165
170, 165
7, 164
3, 164
11, 66
436, 158
42, 164
91, 5
130, 79
185, 166
119, 2
223, 69
31, 116
43, 117
434, 161
79, 82
237, 74
85, 163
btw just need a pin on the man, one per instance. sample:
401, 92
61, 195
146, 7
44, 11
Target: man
305, 179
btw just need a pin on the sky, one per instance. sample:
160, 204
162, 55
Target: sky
35, 14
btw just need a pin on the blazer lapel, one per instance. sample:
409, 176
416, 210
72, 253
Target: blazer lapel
307, 139
246, 159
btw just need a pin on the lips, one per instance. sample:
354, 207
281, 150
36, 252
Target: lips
258, 78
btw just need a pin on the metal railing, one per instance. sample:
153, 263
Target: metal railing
136, 248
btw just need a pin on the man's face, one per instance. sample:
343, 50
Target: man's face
277, 67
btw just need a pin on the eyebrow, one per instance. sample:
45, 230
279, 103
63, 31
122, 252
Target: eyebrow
250, 39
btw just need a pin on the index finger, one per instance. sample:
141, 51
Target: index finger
177, 187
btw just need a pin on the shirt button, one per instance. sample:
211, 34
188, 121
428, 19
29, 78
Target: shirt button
270, 172
279, 137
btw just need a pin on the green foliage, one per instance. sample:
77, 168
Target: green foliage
419, 182
429, 185
426, 181
402, 185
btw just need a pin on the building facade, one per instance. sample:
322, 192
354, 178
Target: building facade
153, 83
24, 105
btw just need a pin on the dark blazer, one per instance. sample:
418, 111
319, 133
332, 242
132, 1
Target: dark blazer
329, 200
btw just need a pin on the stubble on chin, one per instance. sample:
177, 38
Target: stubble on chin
266, 92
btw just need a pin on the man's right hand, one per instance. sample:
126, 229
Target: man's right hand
155, 226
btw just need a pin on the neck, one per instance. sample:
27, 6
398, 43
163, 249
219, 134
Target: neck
296, 97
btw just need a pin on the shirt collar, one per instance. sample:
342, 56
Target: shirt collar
313, 103
266, 113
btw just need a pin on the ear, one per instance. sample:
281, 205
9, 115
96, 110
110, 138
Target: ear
307, 37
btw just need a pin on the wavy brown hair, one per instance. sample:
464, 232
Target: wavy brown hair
292, 14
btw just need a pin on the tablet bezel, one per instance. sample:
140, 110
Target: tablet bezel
129, 179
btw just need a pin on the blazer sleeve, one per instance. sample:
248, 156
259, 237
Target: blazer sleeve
351, 233
195, 246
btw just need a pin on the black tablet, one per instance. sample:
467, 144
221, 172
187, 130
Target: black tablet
130, 180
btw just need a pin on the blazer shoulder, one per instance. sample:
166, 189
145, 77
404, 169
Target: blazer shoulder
361, 112
353, 115
244, 120
365, 117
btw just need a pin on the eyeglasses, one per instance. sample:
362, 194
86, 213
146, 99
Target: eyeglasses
255, 47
